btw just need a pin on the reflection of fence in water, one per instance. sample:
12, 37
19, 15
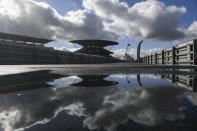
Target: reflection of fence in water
189, 82
186, 81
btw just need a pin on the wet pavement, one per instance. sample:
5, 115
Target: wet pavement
99, 99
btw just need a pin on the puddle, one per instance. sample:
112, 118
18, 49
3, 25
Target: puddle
46, 100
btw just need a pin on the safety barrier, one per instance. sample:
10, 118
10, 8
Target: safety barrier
182, 54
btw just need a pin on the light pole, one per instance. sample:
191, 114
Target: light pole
126, 51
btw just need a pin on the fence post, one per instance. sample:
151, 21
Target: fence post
173, 55
146, 59
162, 57
195, 51
155, 58
194, 84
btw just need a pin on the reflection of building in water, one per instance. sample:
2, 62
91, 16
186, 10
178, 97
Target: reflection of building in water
94, 81
26, 81
189, 82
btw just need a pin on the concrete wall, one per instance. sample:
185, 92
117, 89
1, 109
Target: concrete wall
182, 54
23, 53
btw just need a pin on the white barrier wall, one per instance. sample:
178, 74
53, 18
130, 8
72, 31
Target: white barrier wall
182, 54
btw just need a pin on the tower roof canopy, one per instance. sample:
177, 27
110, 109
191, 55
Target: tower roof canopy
95, 42
23, 38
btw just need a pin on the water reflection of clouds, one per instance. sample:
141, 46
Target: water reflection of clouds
64, 82
145, 106
100, 107
40, 106
149, 106
8, 118
76, 109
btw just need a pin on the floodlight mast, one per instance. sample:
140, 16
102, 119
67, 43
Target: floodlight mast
127, 47
126, 51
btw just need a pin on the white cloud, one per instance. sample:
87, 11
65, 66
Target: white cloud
67, 49
192, 30
148, 20
138, 104
28, 17
99, 19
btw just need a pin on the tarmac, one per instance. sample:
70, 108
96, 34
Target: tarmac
109, 68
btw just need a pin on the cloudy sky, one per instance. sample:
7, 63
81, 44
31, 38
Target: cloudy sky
160, 23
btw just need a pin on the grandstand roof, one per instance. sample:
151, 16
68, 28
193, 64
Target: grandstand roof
14, 37
94, 42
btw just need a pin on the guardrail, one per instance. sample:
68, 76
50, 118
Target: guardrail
181, 54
